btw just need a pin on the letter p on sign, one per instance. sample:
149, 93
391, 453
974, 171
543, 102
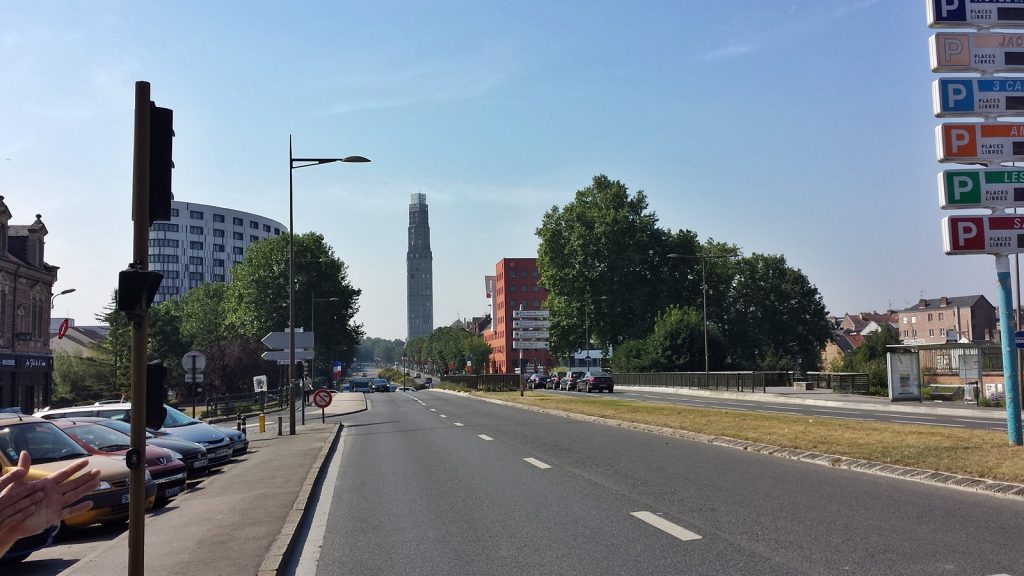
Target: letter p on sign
965, 234
959, 141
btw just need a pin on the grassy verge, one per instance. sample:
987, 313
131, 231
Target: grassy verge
978, 453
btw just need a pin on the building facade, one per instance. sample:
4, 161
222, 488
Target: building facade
514, 286
419, 264
201, 243
958, 318
26, 295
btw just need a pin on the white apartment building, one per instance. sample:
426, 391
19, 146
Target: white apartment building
201, 243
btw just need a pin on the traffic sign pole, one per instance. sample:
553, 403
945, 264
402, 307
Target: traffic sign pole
1012, 392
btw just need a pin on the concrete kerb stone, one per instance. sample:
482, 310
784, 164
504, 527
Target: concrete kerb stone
285, 542
967, 483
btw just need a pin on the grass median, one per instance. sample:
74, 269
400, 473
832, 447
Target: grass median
969, 452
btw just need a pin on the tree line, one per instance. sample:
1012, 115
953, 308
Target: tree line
449, 349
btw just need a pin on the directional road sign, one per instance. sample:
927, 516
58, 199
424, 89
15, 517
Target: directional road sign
975, 14
982, 188
530, 313
530, 344
993, 96
531, 323
977, 52
283, 356
983, 234
524, 334
194, 378
281, 340
975, 142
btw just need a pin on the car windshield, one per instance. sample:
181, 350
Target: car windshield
121, 426
100, 437
598, 373
177, 419
42, 440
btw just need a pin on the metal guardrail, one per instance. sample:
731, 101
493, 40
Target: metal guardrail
738, 381
230, 404
484, 382
840, 382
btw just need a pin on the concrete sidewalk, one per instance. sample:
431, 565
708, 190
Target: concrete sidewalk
242, 519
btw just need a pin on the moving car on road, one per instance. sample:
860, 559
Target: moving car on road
596, 380
360, 385
381, 385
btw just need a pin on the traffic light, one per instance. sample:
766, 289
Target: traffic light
161, 135
156, 393
136, 289
299, 367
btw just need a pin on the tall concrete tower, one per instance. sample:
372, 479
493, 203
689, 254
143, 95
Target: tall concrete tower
419, 267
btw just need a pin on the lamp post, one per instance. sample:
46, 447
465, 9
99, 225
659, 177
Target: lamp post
704, 290
294, 163
312, 328
61, 293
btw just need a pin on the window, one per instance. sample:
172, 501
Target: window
167, 289
254, 225
913, 333
913, 319
929, 316
195, 260
511, 273
218, 217
174, 213
171, 274
277, 231
905, 320
236, 250
940, 315
931, 332
512, 288
196, 230
512, 304
253, 238
904, 333
163, 243
218, 233
164, 258
524, 288
237, 222
164, 227
536, 287
218, 277
942, 331
195, 214
195, 245
218, 247
266, 227
536, 303
218, 262
195, 275
534, 274
238, 236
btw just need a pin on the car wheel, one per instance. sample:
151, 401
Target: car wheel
160, 503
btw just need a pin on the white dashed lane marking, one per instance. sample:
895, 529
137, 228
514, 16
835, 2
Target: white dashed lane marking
666, 526
485, 437
458, 424
537, 463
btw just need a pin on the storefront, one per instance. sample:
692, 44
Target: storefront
25, 381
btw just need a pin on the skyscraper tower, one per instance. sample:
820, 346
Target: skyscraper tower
419, 267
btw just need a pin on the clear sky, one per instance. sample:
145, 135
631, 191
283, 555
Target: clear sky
801, 128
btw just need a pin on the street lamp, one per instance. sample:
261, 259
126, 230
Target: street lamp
312, 328
704, 290
294, 163
61, 293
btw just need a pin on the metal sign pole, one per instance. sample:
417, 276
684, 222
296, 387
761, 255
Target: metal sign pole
1013, 423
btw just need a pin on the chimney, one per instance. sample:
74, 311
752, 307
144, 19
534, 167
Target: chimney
943, 301
34, 250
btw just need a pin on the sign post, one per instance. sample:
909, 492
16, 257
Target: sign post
322, 399
193, 363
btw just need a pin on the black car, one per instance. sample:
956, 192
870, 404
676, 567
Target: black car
381, 385
595, 380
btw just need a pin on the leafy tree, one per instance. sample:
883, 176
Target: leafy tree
78, 378
479, 351
677, 342
115, 351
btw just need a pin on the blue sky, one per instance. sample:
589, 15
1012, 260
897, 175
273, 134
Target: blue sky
801, 128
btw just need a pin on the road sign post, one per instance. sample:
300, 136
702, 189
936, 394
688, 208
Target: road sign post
322, 399
193, 363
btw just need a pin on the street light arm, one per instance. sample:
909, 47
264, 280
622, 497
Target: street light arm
306, 162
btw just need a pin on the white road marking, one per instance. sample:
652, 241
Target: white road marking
978, 421
781, 412
844, 417
433, 410
666, 526
906, 416
443, 416
458, 424
485, 436
929, 423
310, 558
537, 463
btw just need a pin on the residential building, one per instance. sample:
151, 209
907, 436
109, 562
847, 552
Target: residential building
78, 340
419, 264
841, 343
958, 318
858, 322
26, 296
516, 286
201, 243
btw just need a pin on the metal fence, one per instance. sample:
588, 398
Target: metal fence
229, 404
840, 382
738, 381
484, 382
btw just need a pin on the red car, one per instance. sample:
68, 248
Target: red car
165, 466
596, 380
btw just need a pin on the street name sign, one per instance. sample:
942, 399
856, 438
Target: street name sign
531, 323
530, 313
983, 234
524, 334
982, 188
530, 344
977, 52
971, 143
281, 340
975, 14
992, 96
196, 378
282, 356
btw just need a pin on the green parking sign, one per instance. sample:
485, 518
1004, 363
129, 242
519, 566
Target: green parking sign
981, 188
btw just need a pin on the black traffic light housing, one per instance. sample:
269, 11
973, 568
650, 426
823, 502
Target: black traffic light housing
156, 393
161, 163
299, 370
136, 289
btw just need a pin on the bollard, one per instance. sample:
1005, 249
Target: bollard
263, 422
238, 422
280, 424
244, 428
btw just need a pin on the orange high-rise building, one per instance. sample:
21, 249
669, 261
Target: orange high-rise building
515, 285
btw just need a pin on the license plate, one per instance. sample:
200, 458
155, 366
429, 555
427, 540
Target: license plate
172, 492
224, 452
200, 463
124, 499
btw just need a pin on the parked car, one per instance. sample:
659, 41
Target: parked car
164, 466
596, 380
538, 380
571, 381
192, 454
360, 385
51, 449
428, 381
219, 445
554, 380
381, 385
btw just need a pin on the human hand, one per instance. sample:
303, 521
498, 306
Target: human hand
19, 500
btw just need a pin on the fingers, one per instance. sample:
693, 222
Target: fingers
77, 487
68, 471
11, 477
25, 460
76, 509
16, 507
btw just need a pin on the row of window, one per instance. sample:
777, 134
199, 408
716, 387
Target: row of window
931, 333
931, 318
512, 304
195, 230
195, 260
523, 274
523, 288
235, 221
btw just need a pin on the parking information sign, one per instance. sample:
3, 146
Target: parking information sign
977, 52
983, 234
982, 188
993, 96
980, 142
975, 14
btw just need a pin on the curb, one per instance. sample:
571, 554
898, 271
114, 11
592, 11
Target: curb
284, 544
982, 485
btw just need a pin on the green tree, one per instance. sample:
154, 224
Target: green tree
78, 378
115, 351
479, 352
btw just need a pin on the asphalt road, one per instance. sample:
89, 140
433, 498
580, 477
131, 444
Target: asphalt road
433, 483
965, 421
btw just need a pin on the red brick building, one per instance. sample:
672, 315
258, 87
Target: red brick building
26, 283
515, 285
